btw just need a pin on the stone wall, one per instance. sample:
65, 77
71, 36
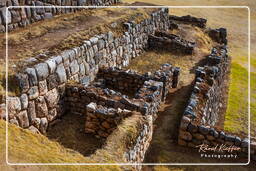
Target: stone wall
198, 125
102, 121
218, 35
21, 17
43, 83
170, 42
138, 147
199, 22
130, 82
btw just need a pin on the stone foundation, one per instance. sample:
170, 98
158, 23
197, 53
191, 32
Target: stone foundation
170, 42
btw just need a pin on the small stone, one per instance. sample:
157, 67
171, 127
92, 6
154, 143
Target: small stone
106, 125
199, 136
230, 138
52, 98
33, 93
185, 135
94, 40
192, 128
14, 104
245, 143
23, 119
91, 107
74, 67
204, 130
24, 101
238, 141
14, 121
52, 115
32, 76
23, 82
36, 122
34, 130
31, 111
184, 125
41, 107
43, 125
52, 81
42, 85
222, 135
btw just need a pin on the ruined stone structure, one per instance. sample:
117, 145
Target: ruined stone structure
21, 17
103, 102
170, 42
199, 22
106, 95
198, 124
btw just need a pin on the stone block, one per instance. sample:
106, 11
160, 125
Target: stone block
23, 119
192, 128
74, 67
31, 111
14, 104
51, 64
24, 101
61, 74
199, 136
42, 71
33, 81
52, 115
41, 107
52, 98
185, 135
42, 85
33, 93
23, 82
52, 81
34, 130
204, 130
43, 125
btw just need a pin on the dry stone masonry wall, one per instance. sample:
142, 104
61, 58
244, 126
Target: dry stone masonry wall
170, 42
199, 22
204, 107
43, 84
21, 17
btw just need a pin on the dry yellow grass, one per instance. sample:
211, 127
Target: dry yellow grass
26, 147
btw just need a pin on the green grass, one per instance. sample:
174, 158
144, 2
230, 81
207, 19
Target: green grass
237, 110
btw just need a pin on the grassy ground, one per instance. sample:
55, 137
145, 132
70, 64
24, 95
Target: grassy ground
35, 148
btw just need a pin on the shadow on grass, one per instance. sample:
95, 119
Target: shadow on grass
69, 132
